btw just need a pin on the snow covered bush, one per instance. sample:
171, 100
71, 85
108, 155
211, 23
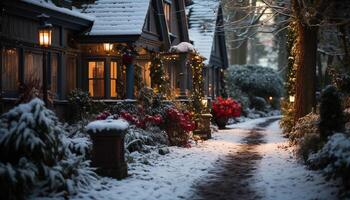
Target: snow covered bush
258, 103
340, 77
304, 126
308, 144
83, 105
333, 158
287, 120
255, 80
119, 107
331, 112
138, 139
37, 156
242, 97
152, 103
248, 81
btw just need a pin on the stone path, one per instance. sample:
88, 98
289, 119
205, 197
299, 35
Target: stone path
230, 180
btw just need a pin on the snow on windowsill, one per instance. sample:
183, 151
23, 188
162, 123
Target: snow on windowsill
107, 125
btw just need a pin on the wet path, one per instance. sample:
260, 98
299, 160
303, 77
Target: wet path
230, 180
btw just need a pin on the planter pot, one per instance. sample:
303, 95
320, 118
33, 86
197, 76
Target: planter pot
177, 136
203, 127
221, 122
108, 152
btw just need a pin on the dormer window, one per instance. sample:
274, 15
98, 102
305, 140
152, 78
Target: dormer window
167, 14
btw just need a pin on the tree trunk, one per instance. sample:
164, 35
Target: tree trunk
306, 69
238, 45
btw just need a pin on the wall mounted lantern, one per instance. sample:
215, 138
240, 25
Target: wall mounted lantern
45, 31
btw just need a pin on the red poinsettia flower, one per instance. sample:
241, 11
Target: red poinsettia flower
226, 108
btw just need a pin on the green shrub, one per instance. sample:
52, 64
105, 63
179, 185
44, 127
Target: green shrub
287, 121
81, 103
247, 82
258, 103
255, 80
37, 155
306, 125
334, 160
331, 112
308, 144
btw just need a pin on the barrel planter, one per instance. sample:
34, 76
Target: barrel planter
108, 147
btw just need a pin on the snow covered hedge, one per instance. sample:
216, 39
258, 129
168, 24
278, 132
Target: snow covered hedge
246, 82
334, 157
257, 80
37, 158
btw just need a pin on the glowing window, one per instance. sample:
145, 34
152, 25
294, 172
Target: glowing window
113, 78
96, 78
167, 14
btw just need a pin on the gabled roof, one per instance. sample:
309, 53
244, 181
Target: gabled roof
117, 17
51, 6
202, 23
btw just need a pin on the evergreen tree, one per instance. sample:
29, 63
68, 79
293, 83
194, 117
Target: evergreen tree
331, 112
36, 156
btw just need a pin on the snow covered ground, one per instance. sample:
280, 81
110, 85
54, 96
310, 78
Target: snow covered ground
172, 176
280, 176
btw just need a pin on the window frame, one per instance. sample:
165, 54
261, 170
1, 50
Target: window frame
167, 7
56, 82
100, 79
9, 93
67, 88
115, 79
34, 52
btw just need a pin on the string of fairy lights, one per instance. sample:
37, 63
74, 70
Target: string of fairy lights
195, 64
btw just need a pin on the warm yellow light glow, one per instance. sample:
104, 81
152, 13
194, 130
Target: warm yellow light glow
270, 98
113, 78
45, 37
205, 102
107, 47
291, 99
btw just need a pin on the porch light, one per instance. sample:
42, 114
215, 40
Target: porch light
205, 102
45, 31
107, 47
270, 98
291, 98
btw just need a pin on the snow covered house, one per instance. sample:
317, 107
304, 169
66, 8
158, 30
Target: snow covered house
98, 46
138, 27
23, 61
206, 31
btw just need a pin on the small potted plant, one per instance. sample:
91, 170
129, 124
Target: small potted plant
223, 109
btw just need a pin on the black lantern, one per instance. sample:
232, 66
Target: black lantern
44, 31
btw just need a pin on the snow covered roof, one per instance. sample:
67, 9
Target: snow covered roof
117, 17
49, 5
202, 22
